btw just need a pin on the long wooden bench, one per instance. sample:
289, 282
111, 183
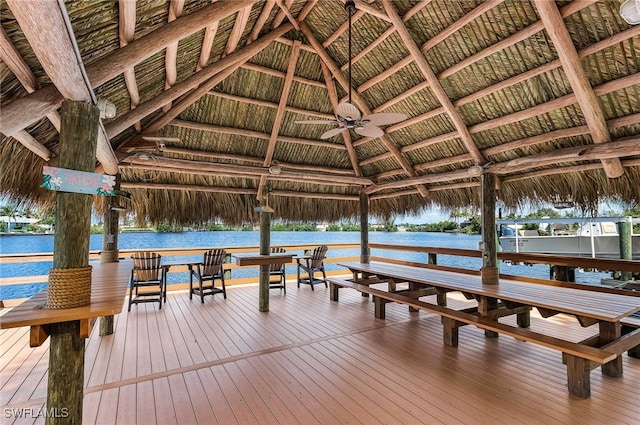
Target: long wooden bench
580, 357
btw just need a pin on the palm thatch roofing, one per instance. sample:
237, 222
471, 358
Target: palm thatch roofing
543, 94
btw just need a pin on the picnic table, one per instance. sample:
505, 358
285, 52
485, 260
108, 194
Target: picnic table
509, 297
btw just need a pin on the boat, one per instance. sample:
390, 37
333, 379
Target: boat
579, 237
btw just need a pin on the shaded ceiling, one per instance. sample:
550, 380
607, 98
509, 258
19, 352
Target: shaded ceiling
546, 95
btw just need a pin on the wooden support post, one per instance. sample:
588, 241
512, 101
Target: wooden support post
489, 251
110, 253
610, 331
78, 140
379, 307
626, 253
365, 252
450, 331
579, 376
562, 273
265, 249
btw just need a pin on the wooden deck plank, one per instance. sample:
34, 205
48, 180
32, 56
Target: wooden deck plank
108, 406
181, 400
163, 402
311, 361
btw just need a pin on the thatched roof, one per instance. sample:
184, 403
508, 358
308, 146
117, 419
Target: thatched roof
546, 95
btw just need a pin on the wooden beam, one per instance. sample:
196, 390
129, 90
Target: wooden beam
21, 70
238, 28
262, 19
199, 84
126, 33
171, 51
371, 10
284, 8
430, 76
237, 191
272, 105
171, 164
277, 122
617, 149
15, 63
254, 134
585, 95
280, 15
32, 144
45, 27
342, 28
284, 96
412, 181
207, 43
257, 161
346, 136
277, 73
328, 61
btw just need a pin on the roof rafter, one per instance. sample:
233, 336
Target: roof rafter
430, 76
171, 52
126, 33
200, 83
255, 160
277, 122
55, 51
268, 104
23, 112
238, 28
262, 19
21, 70
404, 163
207, 43
254, 134
584, 93
346, 136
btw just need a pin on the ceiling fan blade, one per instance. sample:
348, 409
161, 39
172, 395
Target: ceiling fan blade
347, 110
385, 118
370, 131
316, 122
332, 132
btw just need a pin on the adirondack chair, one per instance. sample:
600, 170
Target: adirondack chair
206, 274
148, 282
277, 272
312, 265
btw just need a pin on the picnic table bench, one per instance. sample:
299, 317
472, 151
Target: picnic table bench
617, 332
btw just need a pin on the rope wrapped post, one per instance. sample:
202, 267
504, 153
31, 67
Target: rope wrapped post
70, 278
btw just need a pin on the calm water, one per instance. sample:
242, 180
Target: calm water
147, 240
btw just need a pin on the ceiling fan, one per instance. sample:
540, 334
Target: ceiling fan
349, 116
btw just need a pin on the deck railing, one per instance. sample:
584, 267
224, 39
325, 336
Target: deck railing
380, 252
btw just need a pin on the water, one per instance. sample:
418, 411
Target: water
145, 240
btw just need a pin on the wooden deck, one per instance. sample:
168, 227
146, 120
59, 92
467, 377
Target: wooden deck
312, 361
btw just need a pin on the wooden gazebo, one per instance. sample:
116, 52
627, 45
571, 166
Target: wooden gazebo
544, 95
198, 106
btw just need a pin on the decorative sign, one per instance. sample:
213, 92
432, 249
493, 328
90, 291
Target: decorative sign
63, 180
